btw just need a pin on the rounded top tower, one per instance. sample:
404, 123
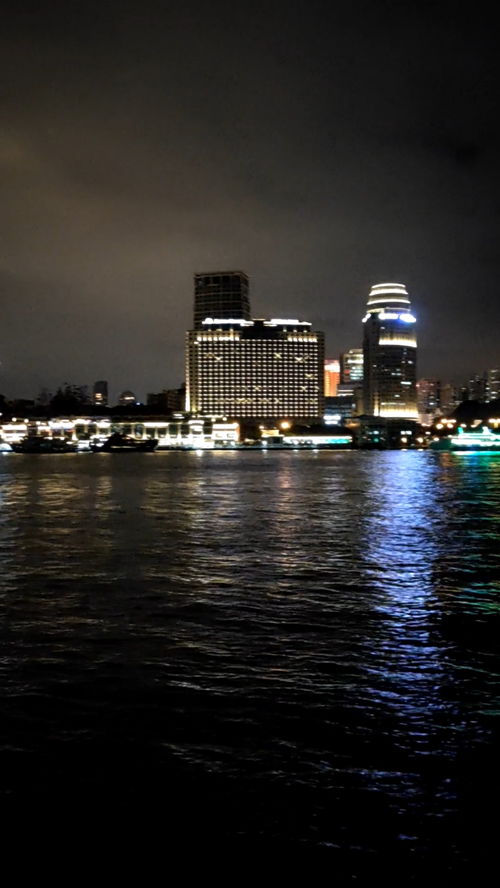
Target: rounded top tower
127, 398
389, 302
393, 294
389, 353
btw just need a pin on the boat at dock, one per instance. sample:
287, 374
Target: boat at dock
484, 441
43, 444
118, 443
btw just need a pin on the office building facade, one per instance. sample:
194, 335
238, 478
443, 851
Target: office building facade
351, 366
389, 354
221, 294
253, 370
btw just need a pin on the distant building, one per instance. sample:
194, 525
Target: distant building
168, 400
259, 369
351, 377
492, 385
100, 393
127, 399
338, 409
332, 377
351, 366
220, 294
44, 397
449, 398
428, 399
381, 433
483, 387
353, 391
476, 388
389, 354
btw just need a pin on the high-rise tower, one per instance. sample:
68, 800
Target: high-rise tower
389, 354
221, 295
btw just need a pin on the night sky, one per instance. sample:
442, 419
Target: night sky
319, 146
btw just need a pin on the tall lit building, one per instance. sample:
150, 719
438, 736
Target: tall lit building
255, 369
332, 377
220, 294
351, 366
389, 354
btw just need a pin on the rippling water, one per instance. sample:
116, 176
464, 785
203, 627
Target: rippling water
284, 649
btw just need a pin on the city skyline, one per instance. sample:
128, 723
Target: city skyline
461, 381
321, 149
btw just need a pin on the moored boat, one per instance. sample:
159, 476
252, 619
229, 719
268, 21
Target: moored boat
43, 444
483, 441
118, 443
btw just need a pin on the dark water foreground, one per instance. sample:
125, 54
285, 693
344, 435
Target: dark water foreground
282, 651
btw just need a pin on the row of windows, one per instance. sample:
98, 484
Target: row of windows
251, 360
291, 372
272, 361
230, 336
254, 410
288, 391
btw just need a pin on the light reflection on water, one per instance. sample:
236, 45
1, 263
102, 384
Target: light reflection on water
318, 629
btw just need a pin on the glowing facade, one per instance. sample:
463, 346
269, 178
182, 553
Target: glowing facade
332, 377
389, 354
259, 369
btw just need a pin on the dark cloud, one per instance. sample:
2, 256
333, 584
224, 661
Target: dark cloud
321, 147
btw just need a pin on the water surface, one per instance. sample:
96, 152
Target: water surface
274, 649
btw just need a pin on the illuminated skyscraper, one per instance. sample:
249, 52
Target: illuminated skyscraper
221, 294
389, 354
259, 369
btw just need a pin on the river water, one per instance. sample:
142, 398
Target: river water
280, 650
